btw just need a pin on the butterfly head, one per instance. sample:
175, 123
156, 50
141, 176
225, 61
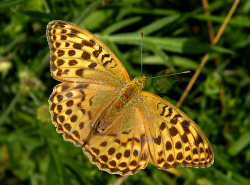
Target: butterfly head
140, 80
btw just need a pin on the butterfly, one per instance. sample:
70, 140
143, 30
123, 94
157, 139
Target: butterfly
98, 108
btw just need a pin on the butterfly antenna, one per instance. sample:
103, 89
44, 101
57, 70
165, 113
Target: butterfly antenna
141, 50
170, 74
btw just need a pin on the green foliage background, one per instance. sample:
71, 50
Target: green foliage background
175, 38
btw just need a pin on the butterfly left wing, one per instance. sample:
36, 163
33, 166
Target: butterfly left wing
78, 56
76, 108
174, 140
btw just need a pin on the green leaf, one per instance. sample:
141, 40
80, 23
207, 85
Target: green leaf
234, 22
121, 24
9, 3
157, 25
177, 45
242, 142
158, 51
56, 173
35, 14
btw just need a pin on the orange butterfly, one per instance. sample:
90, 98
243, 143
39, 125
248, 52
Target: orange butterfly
98, 108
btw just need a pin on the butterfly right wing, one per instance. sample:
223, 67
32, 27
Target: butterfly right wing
174, 140
122, 147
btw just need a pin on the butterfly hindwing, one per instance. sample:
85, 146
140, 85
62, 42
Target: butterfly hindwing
122, 147
76, 107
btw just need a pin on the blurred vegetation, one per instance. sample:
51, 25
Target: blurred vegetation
176, 37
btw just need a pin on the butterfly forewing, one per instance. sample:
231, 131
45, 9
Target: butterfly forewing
117, 125
174, 139
78, 56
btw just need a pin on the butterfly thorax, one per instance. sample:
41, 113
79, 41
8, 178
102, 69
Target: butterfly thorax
126, 96
130, 92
